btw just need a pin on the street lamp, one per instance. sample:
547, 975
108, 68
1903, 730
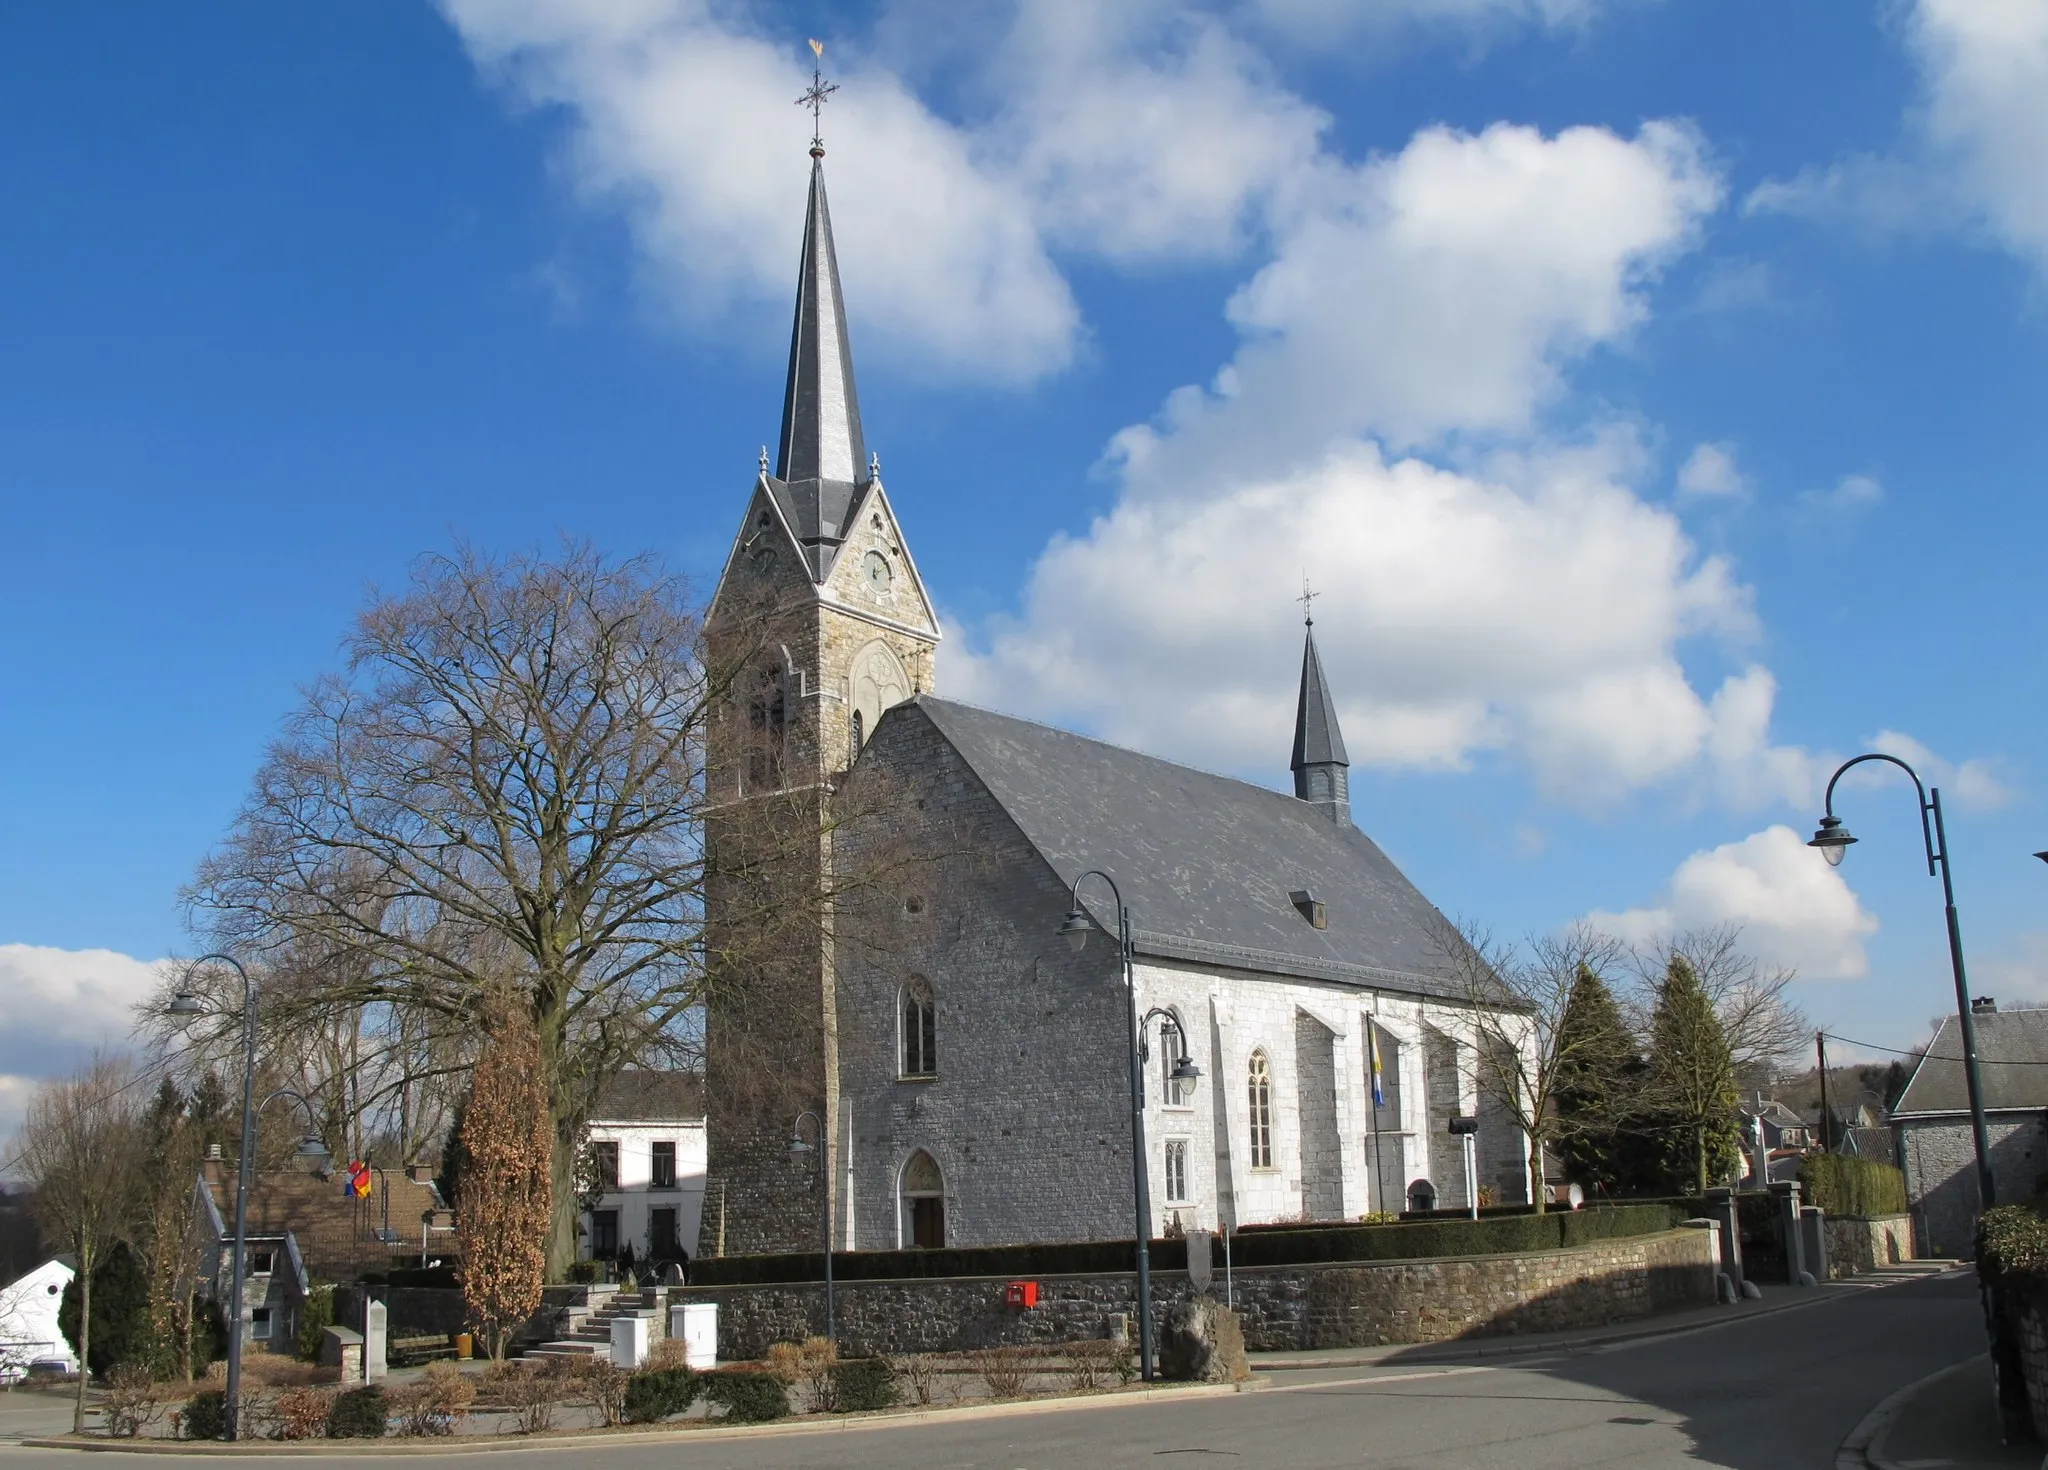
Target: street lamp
799, 1149
310, 1147
1833, 839
1075, 930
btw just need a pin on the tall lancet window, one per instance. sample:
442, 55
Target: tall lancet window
1261, 1100
767, 718
920, 1038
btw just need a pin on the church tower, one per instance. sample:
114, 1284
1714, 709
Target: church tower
1322, 771
824, 624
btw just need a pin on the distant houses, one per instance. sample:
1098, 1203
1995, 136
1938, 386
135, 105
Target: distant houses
646, 1137
29, 1335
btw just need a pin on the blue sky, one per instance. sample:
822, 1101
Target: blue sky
1651, 389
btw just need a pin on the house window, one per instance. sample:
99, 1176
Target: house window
1176, 1171
663, 1241
260, 1262
607, 1155
604, 1234
259, 1324
923, 1192
1173, 1045
665, 1164
1261, 1089
920, 1040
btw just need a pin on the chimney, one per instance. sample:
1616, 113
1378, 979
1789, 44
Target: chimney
1984, 1005
419, 1173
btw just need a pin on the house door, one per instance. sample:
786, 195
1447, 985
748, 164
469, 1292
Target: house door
662, 1243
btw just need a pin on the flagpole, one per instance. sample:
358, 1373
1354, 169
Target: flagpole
1379, 1163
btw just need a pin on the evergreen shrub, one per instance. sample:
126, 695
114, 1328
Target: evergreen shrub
1069, 1258
315, 1317
361, 1413
205, 1415
1849, 1187
654, 1394
859, 1384
748, 1397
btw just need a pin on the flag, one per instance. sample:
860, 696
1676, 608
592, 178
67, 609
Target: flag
1372, 1046
358, 1185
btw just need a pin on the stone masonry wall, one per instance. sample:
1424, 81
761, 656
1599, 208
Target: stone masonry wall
1940, 1161
1440, 1091
1322, 1147
1856, 1247
1282, 1307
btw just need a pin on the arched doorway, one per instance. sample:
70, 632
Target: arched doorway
923, 1193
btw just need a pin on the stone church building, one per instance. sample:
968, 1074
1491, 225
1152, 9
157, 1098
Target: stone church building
965, 1068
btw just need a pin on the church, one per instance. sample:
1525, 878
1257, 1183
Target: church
967, 1082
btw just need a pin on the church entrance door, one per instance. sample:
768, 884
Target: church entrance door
924, 1203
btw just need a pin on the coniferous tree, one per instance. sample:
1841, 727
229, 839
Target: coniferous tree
1599, 1135
1691, 1082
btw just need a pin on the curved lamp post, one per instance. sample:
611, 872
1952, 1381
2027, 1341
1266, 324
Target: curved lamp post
1075, 930
187, 1003
799, 1148
1834, 840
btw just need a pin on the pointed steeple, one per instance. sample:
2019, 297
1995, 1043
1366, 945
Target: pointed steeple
822, 468
1322, 771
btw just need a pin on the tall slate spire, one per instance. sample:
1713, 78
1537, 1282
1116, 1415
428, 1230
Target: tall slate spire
822, 468
1322, 771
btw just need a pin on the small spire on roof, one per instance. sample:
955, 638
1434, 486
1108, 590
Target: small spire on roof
814, 98
764, 459
874, 465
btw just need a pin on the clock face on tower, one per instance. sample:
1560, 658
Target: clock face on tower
877, 568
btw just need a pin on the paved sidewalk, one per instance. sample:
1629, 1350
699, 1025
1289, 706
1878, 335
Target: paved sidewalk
1948, 1420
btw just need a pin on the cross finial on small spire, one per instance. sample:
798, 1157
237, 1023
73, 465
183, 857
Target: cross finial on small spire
764, 459
1307, 601
874, 465
814, 98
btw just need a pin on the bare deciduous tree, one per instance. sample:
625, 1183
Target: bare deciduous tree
1762, 1026
79, 1145
1519, 999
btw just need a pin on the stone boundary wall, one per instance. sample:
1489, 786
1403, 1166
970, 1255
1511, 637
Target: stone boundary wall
1857, 1246
1324, 1305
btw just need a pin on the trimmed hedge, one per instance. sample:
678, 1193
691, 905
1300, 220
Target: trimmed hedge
359, 1414
1487, 1236
1076, 1258
1845, 1186
655, 1393
1490, 1235
749, 1397
859, 1384
2011, 1241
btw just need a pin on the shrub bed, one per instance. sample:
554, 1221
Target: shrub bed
205, 1415
1486, 1236
859, 1384
656, 1393
359, 1414
748, 1397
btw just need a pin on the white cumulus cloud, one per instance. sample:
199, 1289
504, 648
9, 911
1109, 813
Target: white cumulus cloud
1975, 138
1710, 473
56, 1007
1794, 909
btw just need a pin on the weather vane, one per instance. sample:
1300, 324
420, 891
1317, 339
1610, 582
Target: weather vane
814, 99
1307, 601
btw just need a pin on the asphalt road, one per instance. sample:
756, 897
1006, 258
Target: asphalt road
1759, 1393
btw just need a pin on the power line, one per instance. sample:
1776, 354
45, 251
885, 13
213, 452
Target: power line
1928, 1055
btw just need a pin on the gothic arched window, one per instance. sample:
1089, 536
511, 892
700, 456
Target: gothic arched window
1260, 1083
860, 734
920, 1035
767, 719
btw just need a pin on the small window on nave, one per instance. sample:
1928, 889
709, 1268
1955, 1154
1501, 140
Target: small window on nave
920, 1030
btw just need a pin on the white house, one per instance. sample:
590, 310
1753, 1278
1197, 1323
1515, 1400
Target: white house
28, 1322
647, 1133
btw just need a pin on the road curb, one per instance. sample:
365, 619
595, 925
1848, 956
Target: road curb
548, 1443
1855, 1452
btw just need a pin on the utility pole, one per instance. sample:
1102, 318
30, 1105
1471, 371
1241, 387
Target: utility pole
1827, 1117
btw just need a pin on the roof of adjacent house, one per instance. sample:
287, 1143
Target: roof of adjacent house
336, 1233
1207, 864
2012, 1056
644, 1095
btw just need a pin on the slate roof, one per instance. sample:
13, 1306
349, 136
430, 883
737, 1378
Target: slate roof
1317, 738
1205, 862
643, 1095
821, 467
2012, 1056
337, 1235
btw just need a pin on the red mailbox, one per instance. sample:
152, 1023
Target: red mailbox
1021, 1294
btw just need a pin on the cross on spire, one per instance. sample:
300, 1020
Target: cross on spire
814, 98
1307, 601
